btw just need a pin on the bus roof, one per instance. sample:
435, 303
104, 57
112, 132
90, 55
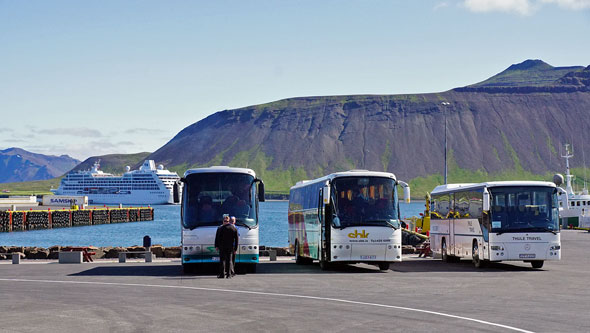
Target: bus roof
466, 186
220, 169
349, 173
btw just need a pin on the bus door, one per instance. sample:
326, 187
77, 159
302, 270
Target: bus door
324, 218
452, 240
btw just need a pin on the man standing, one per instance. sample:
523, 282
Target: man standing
226, 243
232, 220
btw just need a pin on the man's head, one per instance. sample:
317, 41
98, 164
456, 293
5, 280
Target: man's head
225, 218
232, 220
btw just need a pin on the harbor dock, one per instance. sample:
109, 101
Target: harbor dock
23, 220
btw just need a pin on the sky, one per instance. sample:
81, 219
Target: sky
87, 78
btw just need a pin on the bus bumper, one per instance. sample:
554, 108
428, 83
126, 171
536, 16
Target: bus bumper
201, 258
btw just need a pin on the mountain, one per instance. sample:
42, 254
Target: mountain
113, 163
19, 165
511, 126
528, 73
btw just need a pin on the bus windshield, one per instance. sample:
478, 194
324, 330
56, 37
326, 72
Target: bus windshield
367, 201
524, 209
207, 196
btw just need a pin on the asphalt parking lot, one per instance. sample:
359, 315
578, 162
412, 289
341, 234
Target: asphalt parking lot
417, 295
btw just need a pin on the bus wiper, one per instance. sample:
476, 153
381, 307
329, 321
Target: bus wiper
244, 225
547, 229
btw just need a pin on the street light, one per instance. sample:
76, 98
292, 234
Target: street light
445, 104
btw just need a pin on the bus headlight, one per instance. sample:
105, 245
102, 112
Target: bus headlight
555, 247
496, 248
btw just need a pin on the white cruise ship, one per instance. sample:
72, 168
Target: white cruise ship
147, 186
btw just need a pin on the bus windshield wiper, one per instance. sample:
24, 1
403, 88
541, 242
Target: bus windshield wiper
380, 223
244, 225
547, 230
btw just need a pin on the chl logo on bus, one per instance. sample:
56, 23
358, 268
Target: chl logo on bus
356, 234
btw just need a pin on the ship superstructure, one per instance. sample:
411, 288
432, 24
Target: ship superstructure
575, 210
146, 186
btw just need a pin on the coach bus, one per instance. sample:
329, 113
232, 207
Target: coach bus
208, 194
346, 217
496, 221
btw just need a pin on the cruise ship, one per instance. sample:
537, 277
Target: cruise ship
147, 186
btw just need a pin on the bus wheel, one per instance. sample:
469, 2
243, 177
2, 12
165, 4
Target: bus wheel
537, 263
298, 259
188, 268
251, 268
383, 266
477, 262
443, 250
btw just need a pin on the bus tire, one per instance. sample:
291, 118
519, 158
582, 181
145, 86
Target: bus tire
477, 261
188, 268
383, 266
251, 268
537, 263
324, 265
299, 260
443, 251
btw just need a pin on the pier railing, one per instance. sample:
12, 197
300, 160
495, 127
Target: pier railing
49, 219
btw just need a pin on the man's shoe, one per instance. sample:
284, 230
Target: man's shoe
220, 276
228, 277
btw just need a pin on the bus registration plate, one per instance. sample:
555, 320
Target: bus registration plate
368, 257
527, 255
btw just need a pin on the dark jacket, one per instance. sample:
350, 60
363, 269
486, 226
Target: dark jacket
226, 238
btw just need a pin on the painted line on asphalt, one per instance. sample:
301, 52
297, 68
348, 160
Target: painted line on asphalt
336, 300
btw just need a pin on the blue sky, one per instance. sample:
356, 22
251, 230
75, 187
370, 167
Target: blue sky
94, 77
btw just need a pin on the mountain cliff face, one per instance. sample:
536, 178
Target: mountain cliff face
18, 165
492, 128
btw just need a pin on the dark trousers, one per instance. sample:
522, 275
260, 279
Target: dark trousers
226, 265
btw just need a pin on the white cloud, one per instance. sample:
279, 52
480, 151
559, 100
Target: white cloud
74, 131
570, 4
150, 131
522, 7
440, 5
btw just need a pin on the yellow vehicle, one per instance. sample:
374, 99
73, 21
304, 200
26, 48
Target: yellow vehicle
423, 223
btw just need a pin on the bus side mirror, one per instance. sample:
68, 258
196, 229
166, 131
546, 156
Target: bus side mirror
486, 200
336, 221
260, 190
176, 192
564, 199
326, 195
406, 190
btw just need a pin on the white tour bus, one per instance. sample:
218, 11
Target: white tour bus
496, 221
207, 194
346, 217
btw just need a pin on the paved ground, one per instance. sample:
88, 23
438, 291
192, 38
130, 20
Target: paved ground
418, 295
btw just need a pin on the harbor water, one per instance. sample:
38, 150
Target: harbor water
164, 229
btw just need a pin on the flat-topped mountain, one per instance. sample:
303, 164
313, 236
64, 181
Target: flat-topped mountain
19, 165
511, 125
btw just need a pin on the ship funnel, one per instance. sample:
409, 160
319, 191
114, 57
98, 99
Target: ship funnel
558, 179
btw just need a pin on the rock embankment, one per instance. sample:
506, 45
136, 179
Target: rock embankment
410, 241
110, 252
101, 252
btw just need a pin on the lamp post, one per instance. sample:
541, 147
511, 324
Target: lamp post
445, 104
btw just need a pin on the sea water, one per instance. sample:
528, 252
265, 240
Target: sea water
164, 229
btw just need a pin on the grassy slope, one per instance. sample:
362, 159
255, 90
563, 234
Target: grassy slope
38, 187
